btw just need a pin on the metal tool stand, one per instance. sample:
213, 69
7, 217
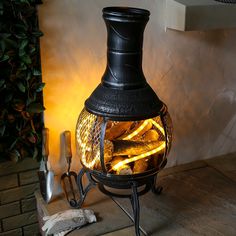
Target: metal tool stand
133, 196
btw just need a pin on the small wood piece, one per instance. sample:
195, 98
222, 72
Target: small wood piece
151, 135
140, 166
117, 130
125, 170
145, 129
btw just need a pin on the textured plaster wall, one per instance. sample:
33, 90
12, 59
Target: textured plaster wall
194, 73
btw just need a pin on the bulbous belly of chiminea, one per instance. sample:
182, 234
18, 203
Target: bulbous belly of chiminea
123, 147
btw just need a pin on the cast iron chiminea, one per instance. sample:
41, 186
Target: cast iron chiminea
124, 132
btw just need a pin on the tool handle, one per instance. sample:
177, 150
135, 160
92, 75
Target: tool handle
67, 140
45, 142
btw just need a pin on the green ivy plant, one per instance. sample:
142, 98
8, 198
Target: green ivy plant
21, 86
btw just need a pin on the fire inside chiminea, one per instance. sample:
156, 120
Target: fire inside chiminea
129, 147
124, 133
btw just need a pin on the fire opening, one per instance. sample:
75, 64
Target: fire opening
130, 147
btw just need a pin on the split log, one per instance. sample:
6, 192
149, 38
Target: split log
147, 127
151, 135
126, 147
125, 170
117, 130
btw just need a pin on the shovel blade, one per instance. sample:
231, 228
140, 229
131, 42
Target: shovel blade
49, 185
46, 181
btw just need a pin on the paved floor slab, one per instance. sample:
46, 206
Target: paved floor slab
130, 231
110, 217
225, 164
198, 199
195, 202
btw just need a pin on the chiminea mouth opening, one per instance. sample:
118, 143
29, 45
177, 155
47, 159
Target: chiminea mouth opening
126, 12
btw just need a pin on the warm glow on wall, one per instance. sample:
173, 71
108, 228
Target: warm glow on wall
66, 57
66, 89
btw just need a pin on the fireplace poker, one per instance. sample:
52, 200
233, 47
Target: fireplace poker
71, 176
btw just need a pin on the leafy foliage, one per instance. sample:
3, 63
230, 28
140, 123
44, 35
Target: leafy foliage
21, 86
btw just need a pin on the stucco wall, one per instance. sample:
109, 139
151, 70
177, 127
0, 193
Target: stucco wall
194, 73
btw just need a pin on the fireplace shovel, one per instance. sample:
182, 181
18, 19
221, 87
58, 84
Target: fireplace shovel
71, 176
46, 177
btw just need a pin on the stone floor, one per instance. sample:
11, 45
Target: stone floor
197, 199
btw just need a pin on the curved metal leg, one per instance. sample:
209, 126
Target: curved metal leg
82, 191
136, 209
158, 189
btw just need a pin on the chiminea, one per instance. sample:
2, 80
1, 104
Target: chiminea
124, 132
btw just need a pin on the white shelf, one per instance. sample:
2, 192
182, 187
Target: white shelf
188, 15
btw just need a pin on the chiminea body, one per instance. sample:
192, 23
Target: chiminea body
124, 128
124, 132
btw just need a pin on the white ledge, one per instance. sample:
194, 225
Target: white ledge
187, 15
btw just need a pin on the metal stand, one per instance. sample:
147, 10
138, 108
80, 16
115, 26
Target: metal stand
82, 191
133, 196
157, 190
136, 208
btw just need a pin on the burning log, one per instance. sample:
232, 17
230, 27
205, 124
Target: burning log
151, 135
130, 148
117, 130
157, 150
139, 129
126, 147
